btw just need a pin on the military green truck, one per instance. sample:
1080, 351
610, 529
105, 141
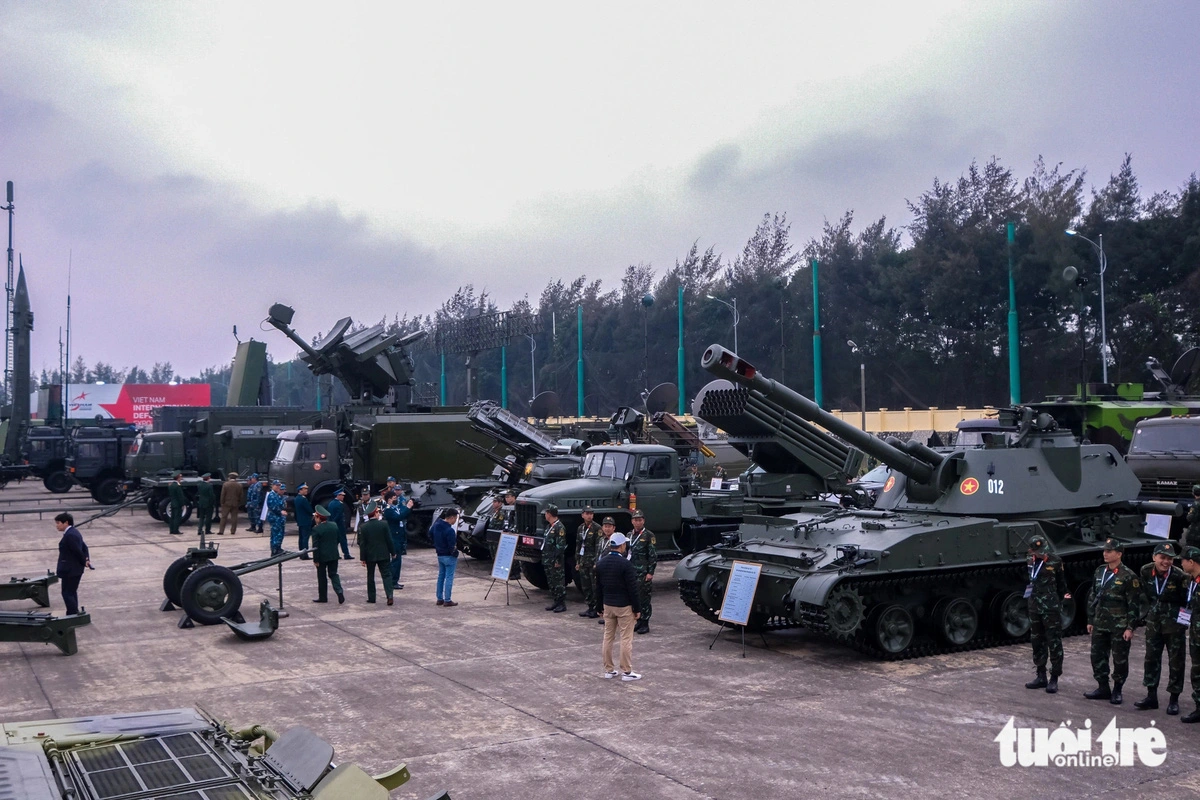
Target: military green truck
96, 459
45, 449
194, 440
1165, 455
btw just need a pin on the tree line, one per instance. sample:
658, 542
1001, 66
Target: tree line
926, 304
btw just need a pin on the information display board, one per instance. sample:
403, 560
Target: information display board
502, 566
739, 594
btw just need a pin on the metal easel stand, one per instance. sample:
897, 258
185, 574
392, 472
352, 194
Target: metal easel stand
520, 585
727, 626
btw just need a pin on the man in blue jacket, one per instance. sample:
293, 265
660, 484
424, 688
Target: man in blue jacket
73, 559
304, 517
396, 516
445, 543
337, 515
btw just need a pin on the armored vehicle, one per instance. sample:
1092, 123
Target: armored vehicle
938, 564
177, 754
1106, 413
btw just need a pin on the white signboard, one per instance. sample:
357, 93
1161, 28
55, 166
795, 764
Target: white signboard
1158, 525
502, 566
715, 483
739, 595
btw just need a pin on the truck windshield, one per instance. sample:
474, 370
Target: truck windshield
607, 465
286, 451
1166, 439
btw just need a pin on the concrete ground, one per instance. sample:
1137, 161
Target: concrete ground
495, 701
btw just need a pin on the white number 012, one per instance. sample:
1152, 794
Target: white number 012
995, 486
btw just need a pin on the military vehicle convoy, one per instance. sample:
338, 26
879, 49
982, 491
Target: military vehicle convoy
938, 564
177, 754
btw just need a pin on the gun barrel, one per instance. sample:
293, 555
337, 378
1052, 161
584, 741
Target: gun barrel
279, 316
726, 364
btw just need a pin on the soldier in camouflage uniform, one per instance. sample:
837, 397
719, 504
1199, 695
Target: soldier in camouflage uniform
254, 501
588, 536
276, 508
1189, 616
645, 558
1191, 537
1046, 590
1114, 607
1163, 583
554, 560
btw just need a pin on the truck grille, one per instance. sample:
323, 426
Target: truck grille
1167, 489
526, 518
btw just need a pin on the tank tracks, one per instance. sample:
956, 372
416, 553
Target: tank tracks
1079, 570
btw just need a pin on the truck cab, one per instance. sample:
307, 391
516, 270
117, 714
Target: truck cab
154, 453
1164, 453
308, 457
97, 460
46, 451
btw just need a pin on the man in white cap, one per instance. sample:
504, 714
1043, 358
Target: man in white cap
617, 593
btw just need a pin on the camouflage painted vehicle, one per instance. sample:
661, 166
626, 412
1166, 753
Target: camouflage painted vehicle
938, 564
179, 754
1108, 413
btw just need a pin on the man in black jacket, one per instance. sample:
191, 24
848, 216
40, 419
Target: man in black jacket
617, 593
73, 559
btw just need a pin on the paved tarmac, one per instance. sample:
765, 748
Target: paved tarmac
490, 700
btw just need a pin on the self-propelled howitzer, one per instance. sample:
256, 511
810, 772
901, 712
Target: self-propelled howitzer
938, 563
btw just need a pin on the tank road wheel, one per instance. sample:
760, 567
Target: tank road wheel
108, 492
893, 629
712, 591
956, 620
58, 482
211, 592
1011, 612
176, 574
535, 574
844, 611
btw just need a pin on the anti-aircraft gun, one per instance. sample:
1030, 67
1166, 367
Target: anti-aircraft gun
381, 433
938, 564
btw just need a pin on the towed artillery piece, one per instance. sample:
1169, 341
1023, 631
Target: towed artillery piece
178, 753
938, 564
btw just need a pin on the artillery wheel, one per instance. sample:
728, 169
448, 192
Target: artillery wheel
893, 629
211, 592
535, 574
1011, 613
58, 482
956, 620
844, 611
176, 574
108, 492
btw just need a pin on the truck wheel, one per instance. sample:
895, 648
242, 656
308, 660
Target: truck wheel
535, 574
58, 482
175, 576
164, 509
108, 492
187, 513
152, 510
211, 592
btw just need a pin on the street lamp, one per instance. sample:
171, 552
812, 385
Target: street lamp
1099, 248
532, 366
736, 316
862, 383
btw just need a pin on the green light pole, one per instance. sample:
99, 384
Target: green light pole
679, 359
818, 393
1014, 342
443, 377
504, 377
579, 362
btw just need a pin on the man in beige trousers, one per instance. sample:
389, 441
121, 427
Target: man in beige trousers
617, 593
233, 496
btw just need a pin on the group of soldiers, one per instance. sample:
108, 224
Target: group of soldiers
1162, 597
592, 542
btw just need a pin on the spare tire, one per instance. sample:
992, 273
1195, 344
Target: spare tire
211, 592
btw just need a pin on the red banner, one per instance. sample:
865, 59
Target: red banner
133, 402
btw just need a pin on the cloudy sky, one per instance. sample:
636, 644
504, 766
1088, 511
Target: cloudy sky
195, 162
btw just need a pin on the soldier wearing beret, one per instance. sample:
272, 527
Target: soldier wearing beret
205, 500
554, 560
325, 555
376, 550
1189, 617
1046, 590
1114, 607
588, 536
1165, 593
1191, 537
644, 556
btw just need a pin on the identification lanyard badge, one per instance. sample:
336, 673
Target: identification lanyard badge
1034, 571
1185, 613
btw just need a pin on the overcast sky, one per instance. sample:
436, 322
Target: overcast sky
196, 162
